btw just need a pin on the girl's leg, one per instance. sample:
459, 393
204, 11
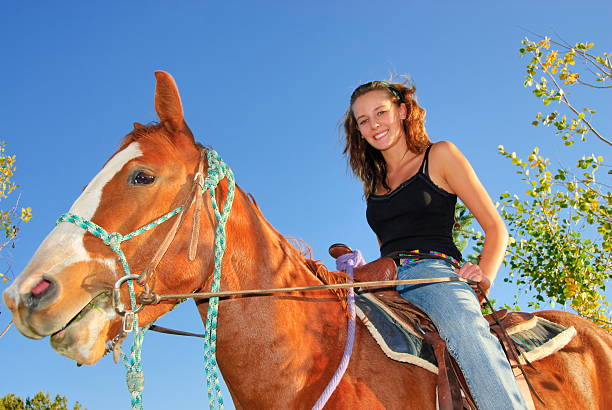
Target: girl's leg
454, 309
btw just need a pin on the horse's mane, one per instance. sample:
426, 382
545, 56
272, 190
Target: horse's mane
320, 270
328, 278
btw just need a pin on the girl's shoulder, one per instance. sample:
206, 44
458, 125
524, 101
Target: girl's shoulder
448, 159
444, 151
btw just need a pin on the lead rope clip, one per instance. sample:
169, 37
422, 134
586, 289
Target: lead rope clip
128, 322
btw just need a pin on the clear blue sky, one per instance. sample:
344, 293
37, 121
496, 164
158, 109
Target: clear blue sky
265, 83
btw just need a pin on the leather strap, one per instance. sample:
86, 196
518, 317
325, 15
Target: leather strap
517, 368
195, 192
169, 331
449, 395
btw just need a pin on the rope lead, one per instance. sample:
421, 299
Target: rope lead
345, 263
217, 170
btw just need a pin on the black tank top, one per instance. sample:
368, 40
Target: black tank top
416, 215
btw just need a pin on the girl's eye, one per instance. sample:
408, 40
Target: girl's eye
380, 113
142, 178
362, 122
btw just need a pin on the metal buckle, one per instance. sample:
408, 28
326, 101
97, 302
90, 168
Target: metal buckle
119, 308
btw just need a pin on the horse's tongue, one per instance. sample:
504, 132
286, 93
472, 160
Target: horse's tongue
41, 287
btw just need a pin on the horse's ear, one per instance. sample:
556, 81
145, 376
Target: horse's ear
168, 104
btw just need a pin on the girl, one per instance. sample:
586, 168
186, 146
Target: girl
411, 186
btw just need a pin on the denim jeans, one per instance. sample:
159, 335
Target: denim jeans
454, 309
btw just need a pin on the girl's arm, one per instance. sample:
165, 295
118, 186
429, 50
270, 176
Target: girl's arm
461, 178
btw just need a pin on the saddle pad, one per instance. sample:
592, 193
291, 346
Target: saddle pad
541, 340
536, 339
399, 341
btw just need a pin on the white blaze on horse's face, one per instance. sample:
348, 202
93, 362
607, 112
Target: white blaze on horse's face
87, 203
64, 246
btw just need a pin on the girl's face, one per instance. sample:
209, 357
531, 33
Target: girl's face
379, 119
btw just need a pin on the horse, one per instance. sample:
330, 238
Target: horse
273, 351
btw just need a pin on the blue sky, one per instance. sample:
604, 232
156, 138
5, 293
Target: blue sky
264, 83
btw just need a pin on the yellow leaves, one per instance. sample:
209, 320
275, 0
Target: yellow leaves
544, 43
9, 218
571, 287
26, 214
7, 168
587, 304
583, 46
552, 60
569, 78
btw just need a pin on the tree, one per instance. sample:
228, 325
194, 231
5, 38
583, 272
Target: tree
11, 217
561, 237
40, 401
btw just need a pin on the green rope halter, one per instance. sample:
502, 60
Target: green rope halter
217, 170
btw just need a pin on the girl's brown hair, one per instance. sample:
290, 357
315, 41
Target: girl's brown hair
368, 163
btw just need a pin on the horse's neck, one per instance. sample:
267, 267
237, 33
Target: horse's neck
278, 346
257, 255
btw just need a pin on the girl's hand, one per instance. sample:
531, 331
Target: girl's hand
473, 272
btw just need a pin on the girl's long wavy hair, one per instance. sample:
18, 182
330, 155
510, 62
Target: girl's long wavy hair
367, 162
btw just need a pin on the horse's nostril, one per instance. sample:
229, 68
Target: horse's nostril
40, 288
43, 293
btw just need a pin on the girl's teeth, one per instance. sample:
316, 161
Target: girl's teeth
379, 136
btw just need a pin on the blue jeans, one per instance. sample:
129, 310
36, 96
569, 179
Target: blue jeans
454, 309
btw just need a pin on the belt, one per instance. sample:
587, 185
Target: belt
402, 258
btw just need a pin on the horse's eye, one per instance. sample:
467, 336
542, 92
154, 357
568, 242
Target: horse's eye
142, 178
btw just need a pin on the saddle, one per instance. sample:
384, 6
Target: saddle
452, 390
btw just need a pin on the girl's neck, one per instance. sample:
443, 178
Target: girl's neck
397, 155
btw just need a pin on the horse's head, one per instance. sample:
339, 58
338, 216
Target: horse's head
64, 292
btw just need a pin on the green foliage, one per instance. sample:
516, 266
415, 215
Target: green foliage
10, 217
560, 234
40, 401
463, 232
462, 229
557, 67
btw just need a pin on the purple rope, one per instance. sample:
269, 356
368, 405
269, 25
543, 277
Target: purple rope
346, 263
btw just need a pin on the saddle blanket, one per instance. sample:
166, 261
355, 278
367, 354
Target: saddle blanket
536, 338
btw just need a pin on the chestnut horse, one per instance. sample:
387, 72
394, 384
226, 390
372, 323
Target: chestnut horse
274, 351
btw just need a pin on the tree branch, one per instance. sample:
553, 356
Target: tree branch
7, 328
571, 107
593, 86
